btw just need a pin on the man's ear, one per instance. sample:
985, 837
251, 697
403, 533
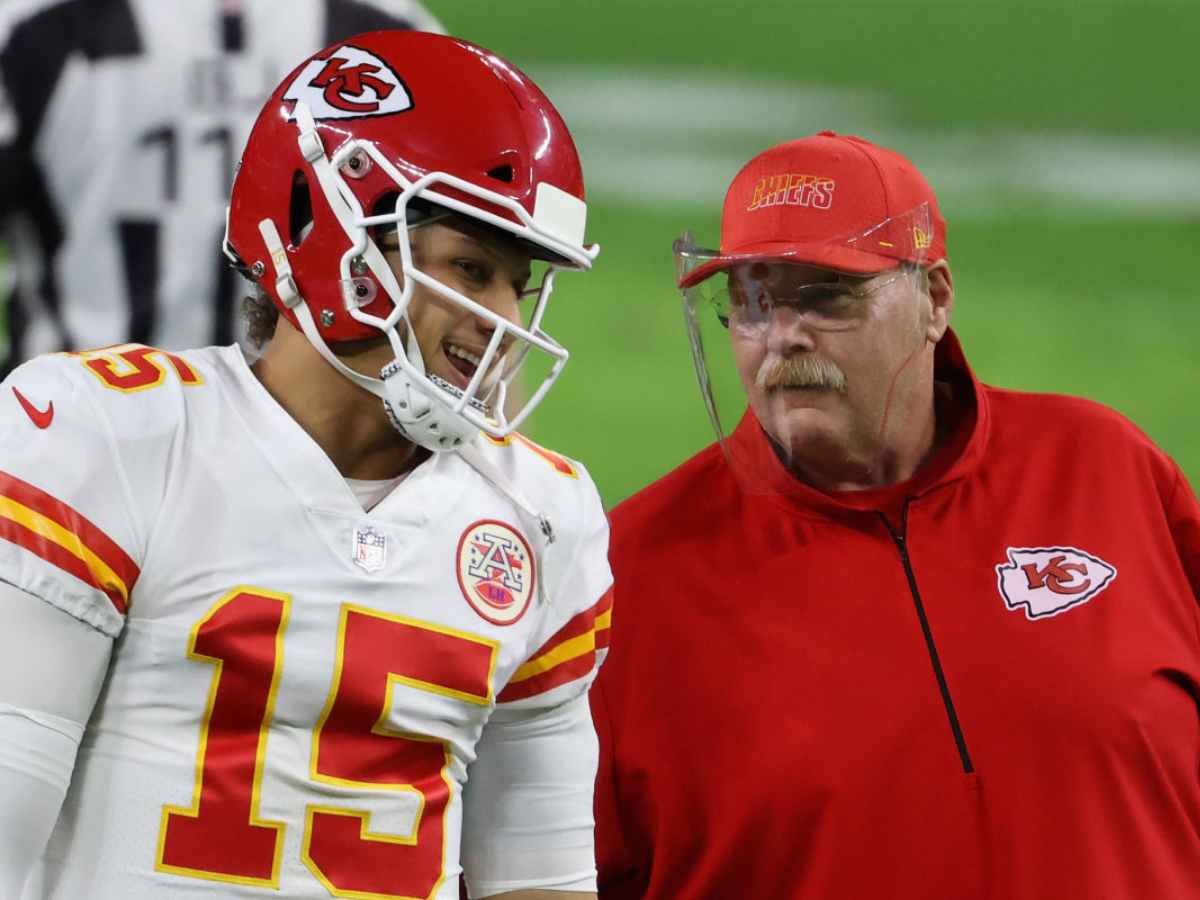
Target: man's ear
941, 299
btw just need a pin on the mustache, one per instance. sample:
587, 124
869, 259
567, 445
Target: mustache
800, 371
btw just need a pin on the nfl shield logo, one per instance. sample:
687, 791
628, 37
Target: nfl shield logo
370, 549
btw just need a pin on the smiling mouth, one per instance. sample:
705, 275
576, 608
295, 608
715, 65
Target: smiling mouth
464, 363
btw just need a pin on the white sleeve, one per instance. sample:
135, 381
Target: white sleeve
527, 806
68, 532
49, 660
51, 668
37, 754
572, 640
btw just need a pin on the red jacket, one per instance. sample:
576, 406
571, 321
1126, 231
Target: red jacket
994, 695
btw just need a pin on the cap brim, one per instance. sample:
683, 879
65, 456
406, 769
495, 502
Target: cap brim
826, 256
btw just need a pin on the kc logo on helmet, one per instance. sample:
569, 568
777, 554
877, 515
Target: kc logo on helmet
347, 84
1045, 581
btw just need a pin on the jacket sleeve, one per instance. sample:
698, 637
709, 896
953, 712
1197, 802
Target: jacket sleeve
1183, 516
615, 869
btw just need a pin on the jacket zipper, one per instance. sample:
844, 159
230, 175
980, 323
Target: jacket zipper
900, 539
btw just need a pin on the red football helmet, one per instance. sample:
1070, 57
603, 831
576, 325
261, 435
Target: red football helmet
406, 115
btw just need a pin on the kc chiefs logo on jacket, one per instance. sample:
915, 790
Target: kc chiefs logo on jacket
349, 83
1045, 581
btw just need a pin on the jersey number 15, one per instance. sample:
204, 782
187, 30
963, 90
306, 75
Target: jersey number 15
222, 836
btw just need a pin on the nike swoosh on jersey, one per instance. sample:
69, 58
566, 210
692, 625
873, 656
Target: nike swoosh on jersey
41, 418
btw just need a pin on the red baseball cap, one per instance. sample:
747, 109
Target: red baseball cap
829, 200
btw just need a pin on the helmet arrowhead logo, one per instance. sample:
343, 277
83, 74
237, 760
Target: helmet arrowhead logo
349, 83
342, 82
1045, 581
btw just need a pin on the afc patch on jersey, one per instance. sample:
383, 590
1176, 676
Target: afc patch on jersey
495, 571
1045, 581
347, 84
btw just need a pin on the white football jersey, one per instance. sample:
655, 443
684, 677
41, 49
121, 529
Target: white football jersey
121, 122
299, 688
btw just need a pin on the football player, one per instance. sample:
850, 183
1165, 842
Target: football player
259, 623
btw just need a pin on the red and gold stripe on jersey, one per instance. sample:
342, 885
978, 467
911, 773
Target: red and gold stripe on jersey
568, 655
63, 537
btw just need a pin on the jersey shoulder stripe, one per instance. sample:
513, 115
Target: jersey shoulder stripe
569, 654
560, 464
53, 530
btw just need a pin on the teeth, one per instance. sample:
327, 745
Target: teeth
461, 353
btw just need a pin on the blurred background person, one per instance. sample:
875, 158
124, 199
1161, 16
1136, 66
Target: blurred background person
120, 123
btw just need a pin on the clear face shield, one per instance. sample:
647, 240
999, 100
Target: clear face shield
817, 341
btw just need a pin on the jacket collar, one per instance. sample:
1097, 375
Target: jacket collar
757, 467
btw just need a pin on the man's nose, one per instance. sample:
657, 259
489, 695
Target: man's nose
501, 300
788, 330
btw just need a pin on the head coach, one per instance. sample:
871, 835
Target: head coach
896, 633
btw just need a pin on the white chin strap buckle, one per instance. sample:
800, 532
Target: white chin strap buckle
420, 418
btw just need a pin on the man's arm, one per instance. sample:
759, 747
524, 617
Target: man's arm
527, 815
1183, 516
51, 669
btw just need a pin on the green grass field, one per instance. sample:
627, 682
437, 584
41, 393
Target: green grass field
1077, 279
1062, 137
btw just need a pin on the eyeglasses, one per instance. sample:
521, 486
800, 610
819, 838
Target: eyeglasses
753, 291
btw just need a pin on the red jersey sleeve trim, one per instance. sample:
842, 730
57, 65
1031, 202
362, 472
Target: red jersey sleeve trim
569, 654
63, 537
